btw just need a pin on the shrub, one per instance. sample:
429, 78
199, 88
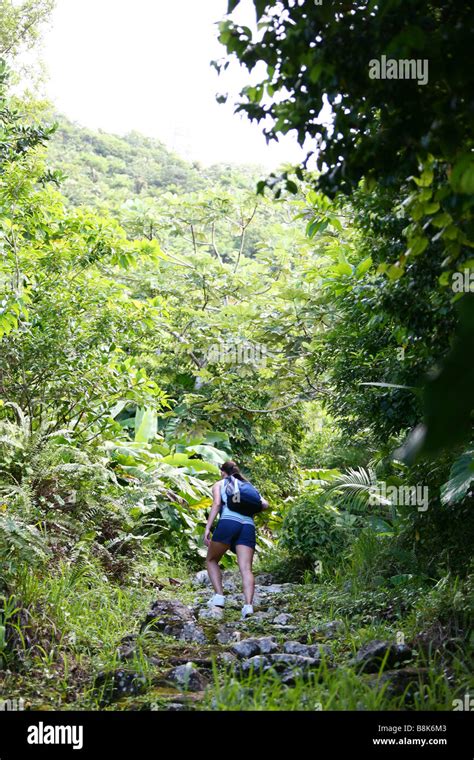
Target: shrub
448, 602
315, 531
378, 557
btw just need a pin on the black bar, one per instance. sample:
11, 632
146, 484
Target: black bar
124, 734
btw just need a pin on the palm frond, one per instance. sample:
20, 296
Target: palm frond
355, 488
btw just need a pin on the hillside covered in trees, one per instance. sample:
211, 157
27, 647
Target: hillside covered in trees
106, 170
158, 318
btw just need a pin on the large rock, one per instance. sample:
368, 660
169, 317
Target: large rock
202, 579
251, 647
260, 617
246, 648
330, 629
173, 618
187, 677
315, 651
267, 644
113, 685
192, 633
228, 635
281, 662
211, 613
282, 619
370, 657
406, 681
167, 614
291, 675
257, 663
226, 658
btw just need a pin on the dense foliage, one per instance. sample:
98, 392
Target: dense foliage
157, 318
390, 130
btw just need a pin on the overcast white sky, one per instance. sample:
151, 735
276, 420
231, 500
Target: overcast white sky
144, 65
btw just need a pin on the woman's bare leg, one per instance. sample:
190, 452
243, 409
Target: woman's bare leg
245, 559
215, 551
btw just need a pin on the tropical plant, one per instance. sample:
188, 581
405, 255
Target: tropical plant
316, 531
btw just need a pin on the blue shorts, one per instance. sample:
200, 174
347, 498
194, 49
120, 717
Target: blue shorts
233, 532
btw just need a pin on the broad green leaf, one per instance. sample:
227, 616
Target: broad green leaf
216, 437
462, 175
364, 266
417, 245
145, 426
182, 460
378, 525
119, 406
441, 220
343, 268
317, 225
209, 453
460, 479
426, 178
395, 271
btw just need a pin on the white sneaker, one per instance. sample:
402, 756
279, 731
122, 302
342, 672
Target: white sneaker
247, 610
218, 600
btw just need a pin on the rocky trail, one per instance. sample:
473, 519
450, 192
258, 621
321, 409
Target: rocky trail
183, 648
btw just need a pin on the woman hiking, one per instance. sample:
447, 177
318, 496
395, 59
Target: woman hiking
235, 531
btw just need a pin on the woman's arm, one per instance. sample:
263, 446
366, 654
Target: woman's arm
215, 507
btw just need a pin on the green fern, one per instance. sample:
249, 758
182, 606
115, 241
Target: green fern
20, 543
